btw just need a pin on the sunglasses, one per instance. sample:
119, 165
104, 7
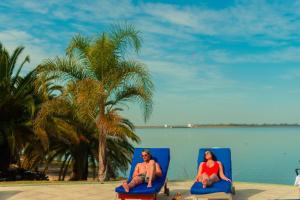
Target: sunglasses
207, 153
145, 155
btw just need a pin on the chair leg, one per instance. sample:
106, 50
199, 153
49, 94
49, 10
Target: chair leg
233, 190
166, 189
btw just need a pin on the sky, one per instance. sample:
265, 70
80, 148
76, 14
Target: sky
211, 61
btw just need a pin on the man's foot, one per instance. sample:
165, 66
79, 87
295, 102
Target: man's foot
125, 186
149, 185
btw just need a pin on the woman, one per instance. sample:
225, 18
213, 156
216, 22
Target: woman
210, 171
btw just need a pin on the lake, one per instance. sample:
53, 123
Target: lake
266, 155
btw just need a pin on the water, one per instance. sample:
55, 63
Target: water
265, 155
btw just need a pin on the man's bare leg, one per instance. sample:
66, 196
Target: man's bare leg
134, 182
151, 172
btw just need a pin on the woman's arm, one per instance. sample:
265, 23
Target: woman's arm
199, 172
221, 172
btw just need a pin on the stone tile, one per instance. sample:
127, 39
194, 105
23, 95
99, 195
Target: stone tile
94, 191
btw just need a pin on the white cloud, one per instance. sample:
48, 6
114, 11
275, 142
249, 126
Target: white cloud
171, 69
41, 7
96, 11
186, 17
187, 78
151, 25
289, 54
35, 48
291, 74
244, 20
185, 47
268, 87
11, 35
295, 91
36, 7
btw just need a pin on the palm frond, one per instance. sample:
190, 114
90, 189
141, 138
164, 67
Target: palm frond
13, 59
49, 108
64, 68
87, 95
26, 60
132, 83
124, 36
80, 43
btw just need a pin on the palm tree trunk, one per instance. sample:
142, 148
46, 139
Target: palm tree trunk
62, 167
85, 174
66, 168
102, 145
102, 156
4, 154
94, 168
80, 166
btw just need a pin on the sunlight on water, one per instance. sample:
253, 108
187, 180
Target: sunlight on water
267, 155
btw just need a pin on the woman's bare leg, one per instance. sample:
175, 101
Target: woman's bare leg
200, 178
204, 179
134, 182
151, 172
212, 179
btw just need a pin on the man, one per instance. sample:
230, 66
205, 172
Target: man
144, 172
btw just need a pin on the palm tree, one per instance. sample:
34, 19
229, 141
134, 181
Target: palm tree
112, 78
16, 106
73, 137
20, 98
33, 153
64, 134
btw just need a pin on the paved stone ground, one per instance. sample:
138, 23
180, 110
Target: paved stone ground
96, 191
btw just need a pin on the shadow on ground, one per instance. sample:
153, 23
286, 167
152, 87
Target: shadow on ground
244, 194
173, 193
184, 193
7, 194
241, 194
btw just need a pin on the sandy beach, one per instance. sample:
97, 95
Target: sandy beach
96, 191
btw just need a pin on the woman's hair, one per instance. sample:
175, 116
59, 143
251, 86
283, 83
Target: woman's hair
147, 151
213, 156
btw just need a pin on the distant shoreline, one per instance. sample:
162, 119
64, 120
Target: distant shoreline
221, 126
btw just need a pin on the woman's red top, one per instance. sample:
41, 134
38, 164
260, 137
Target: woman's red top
210, 170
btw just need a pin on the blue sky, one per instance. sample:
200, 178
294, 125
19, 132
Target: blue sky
212, 61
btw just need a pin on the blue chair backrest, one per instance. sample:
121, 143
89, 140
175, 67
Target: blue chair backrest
223, 155
160, 155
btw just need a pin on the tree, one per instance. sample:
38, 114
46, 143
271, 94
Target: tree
114, 80
20, 99
72, 137
16, 106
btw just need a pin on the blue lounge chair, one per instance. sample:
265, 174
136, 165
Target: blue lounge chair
224, 156
160, 155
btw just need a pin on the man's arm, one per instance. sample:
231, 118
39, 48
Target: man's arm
136, 170
158, 171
